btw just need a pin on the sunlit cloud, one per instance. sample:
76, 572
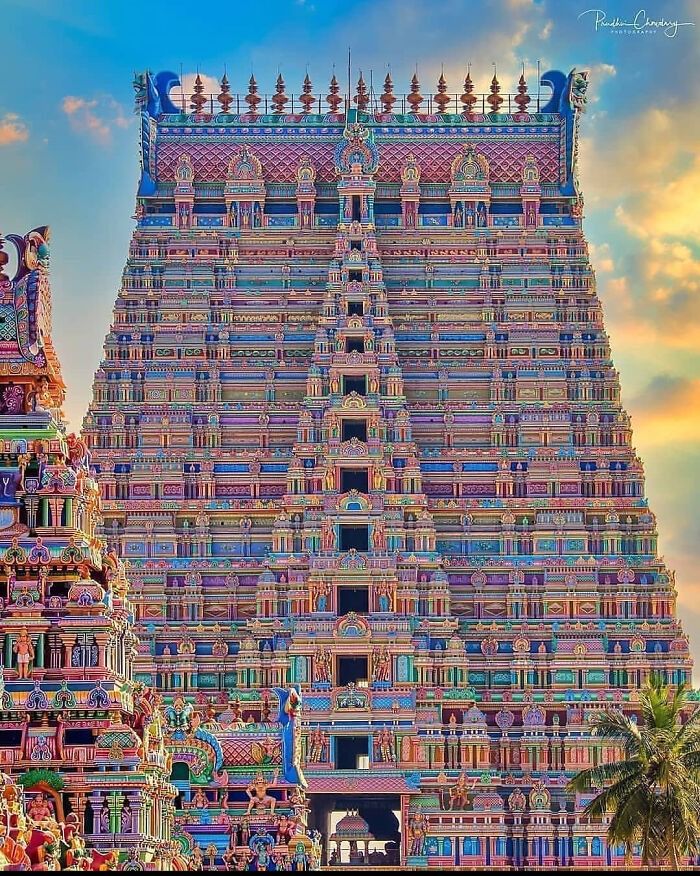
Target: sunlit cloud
12, 129
96, 117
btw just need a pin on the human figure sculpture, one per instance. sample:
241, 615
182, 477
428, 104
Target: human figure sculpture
322, 665
378, 535
260, 800
24, 650
459, 794
385, 593
321, 591
381, 664
317, 746
327, 535
199, 800
40, 808
417, 826
385, 745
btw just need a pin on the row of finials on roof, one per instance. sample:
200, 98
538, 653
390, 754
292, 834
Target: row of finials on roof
199, 100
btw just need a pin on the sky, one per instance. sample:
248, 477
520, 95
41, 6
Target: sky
69, 159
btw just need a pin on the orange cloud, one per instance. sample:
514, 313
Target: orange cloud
12, 129
95, 117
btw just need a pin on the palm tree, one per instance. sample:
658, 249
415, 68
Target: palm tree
654, 792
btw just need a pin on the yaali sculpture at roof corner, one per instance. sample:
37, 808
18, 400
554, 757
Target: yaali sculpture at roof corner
383, 536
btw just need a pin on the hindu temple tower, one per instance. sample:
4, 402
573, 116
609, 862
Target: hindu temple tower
357, 428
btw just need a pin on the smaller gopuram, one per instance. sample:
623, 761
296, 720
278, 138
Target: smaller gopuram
81, 745
241, 801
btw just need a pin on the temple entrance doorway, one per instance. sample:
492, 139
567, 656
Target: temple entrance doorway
358, 830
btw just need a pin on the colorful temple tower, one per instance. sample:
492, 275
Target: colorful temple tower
357, 430
86, 751
71, 722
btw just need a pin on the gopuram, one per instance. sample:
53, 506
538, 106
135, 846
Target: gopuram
359, 437
89, 756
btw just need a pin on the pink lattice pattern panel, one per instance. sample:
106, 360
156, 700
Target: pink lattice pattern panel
280, 160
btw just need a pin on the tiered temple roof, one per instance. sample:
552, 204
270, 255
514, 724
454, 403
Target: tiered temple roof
357, 428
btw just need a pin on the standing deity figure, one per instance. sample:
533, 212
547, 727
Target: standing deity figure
378, 535
327, 535
417, 826
320, 596
381, 664
385, 592
322, 665
317, 746
378, 479
24, 650
385, 745
459, 217
329, 479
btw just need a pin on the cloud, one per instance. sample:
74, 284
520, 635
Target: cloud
12, 129
96, 117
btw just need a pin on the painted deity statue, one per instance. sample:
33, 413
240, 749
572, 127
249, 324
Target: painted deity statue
24, 650
459, 794
381, 665
322, 665
260, 800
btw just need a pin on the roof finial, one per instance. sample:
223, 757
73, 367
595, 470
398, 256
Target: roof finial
361, 98
332, 98
415, 98
252, 98
522, 98
197, 100
468, 99
441, 98
225, 98
279, 99
388, 99
494, 99
306, 98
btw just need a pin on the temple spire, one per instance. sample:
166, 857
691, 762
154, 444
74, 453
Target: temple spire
522, 98
332, 98
494, 99
224, 98
468, 99
252, 98
442, 98
306, 98
361, 96
279, 99
415, 98
198, 100
388, 99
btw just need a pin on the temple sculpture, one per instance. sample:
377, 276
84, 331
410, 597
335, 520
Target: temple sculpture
359, 437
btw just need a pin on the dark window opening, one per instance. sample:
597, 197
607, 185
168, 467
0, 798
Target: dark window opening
354, 429
349, 750
355, 244
354, 345
79, 737
352, 670
354, 479
353, 599
10, 738
356, 537
180, 772
356, 215
355, 384
356, 308
355, 276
